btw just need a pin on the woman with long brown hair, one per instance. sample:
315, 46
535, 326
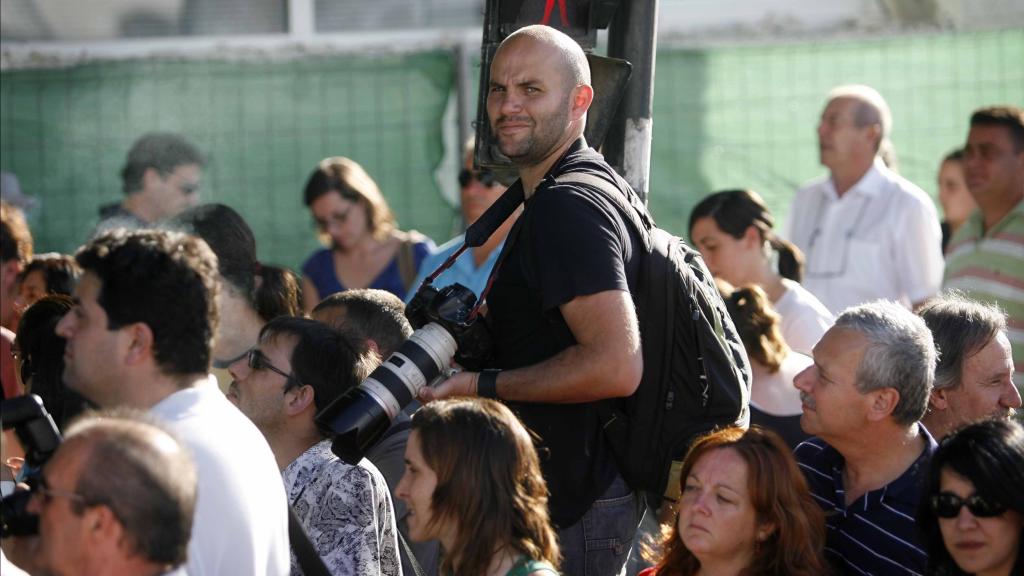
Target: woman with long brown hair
745, 510
472, 481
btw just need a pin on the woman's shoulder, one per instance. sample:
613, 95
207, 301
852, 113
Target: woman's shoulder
318, 260
420, 243
799, 298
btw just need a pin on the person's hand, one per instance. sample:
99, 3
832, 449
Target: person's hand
459, 384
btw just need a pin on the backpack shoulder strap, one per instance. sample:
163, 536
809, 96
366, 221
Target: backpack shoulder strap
407, 258
610, 191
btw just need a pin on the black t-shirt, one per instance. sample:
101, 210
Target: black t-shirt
569, 244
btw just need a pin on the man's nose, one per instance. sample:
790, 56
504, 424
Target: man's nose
239, 369
64, 326
802, 380
1011, 398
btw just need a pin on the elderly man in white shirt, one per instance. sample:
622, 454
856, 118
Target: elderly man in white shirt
866, 232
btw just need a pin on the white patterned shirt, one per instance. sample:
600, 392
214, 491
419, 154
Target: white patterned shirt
346, 511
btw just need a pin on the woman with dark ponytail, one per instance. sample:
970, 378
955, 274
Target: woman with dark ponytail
733, 231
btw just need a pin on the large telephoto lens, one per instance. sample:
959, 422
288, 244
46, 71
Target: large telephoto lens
360, 417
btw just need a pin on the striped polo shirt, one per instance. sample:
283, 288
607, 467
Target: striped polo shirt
876, 534
990, 267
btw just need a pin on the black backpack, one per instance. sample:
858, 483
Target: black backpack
696, 374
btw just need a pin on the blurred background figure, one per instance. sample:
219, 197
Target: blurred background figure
472, 480
957, 202
39, 358
251, 294
478, 189
160, 178
49, 273
866, 231
973, 507
733, 230
365, 248
117, 497
974, 373
16, 247
10, 192
774, 401
15, 253
745, 509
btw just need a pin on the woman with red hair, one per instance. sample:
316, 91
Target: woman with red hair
745, 510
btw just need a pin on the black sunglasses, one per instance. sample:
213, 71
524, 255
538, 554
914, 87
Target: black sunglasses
485, 177
948, 505
259, 361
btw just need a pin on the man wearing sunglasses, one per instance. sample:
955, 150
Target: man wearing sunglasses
478, 189
862, 400
159, 180
139, 336
298, 367
117, 497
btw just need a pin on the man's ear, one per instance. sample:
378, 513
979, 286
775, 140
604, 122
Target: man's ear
874, 134
752, 236
151, 177
298, 400
883, 403
103, 528
140, 342
938, 399
582, 98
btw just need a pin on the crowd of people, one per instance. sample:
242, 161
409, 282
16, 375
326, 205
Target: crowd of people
886, 347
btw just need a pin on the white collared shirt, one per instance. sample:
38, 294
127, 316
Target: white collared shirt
881, 239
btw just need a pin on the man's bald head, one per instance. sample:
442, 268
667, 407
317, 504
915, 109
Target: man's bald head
573, 59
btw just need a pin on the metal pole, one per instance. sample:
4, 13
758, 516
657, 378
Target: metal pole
632, 36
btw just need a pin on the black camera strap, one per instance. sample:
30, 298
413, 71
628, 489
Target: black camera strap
478, 232
309, 560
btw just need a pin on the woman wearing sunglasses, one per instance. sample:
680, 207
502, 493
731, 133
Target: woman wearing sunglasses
365, 248
973, 513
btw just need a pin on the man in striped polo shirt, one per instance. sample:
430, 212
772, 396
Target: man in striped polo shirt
862, 400
986, 255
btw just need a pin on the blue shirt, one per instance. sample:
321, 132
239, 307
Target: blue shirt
877, 533
463, 271
319, 269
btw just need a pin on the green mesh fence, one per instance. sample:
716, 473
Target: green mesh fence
723, 117
265, 125
746, 117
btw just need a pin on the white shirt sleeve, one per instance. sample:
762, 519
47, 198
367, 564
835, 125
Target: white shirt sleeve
918, 256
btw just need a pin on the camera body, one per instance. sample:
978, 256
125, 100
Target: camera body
446, 328
451, 308
40, 438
